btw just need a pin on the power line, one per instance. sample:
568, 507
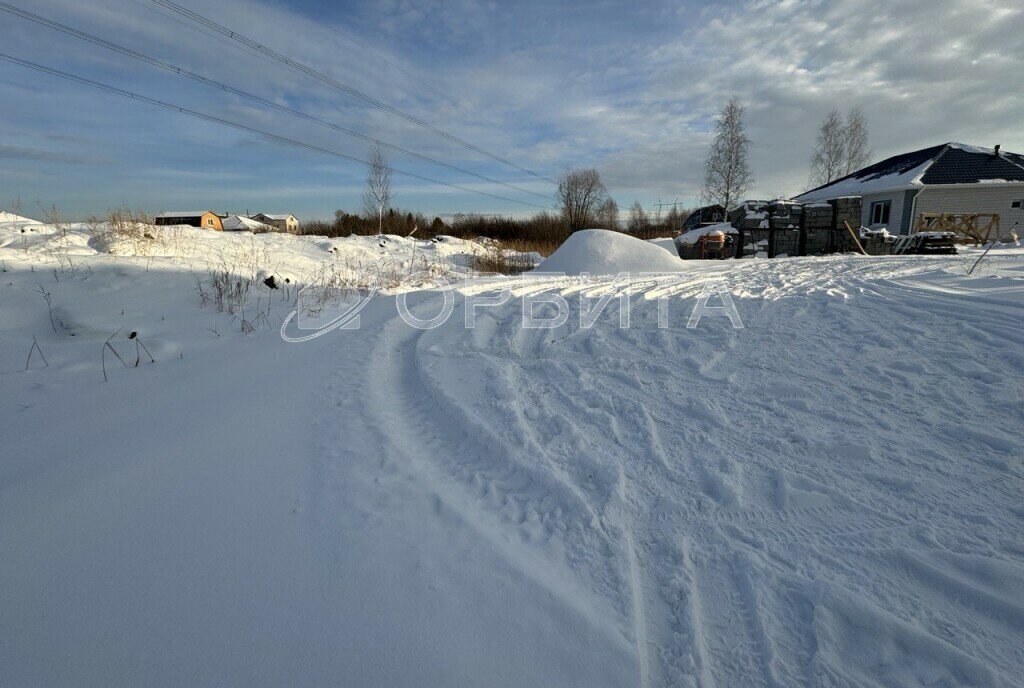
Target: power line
334, 83
209, 34
161, 64
241, 127
422, 82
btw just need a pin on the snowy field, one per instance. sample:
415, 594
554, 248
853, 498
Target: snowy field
832, 495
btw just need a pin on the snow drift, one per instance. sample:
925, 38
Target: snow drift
807, 501
603, 252
11, 218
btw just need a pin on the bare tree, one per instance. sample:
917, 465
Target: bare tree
673, 220
727, 174
829, 160
857, 153
378, 195
608, 214
637, 217
841, 148
581, 193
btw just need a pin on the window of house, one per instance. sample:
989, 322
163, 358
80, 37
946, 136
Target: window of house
880, 212
1016, 204
209, 222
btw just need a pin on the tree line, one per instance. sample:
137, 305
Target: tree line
841, 148
583, 201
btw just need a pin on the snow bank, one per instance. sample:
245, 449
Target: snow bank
603, 252
666, 243
388, 258
6, 218
507, 506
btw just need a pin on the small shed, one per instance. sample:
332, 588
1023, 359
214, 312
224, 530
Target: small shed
206, 219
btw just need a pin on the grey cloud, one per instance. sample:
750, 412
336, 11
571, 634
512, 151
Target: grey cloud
40, 155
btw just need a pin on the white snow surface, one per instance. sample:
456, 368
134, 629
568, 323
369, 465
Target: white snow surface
667, 243
829, 496
10, 218
604, 252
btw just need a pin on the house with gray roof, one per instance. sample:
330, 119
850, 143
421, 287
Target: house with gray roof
953, 178
283, 222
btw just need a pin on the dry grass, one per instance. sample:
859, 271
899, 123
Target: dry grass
123, 232
652, 232
512, 256
128, 232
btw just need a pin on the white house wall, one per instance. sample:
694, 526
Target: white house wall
985, 198
895, 211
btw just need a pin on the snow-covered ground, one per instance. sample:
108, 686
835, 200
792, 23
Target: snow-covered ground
831, 495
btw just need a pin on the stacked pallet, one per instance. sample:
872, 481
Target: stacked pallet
936, 243
750, 215
876, 242
818, 229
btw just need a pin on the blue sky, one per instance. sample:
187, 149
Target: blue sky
625, 87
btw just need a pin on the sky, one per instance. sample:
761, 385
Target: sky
630, 88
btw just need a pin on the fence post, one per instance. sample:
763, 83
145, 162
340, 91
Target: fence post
771, 233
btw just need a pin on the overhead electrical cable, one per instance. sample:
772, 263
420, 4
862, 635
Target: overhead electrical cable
161, 64
413, 77
334, 83
243, 127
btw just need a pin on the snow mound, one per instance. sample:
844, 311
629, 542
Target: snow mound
666, 243
603, 252
6, 217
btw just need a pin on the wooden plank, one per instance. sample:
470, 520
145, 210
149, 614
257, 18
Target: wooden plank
855, 239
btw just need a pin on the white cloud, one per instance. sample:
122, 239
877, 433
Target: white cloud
544, 84
924, 71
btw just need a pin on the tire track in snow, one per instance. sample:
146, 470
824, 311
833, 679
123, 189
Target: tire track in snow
735, 641
698, 609
639, 610
408, 416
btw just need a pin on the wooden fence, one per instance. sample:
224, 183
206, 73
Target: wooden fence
976, 227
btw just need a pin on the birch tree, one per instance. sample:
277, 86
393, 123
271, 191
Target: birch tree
727, 175
841, 147
829, 161
857, 153
378, 195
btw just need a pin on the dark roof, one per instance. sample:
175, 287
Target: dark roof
896, 165
697, 216
959, 166
951, 163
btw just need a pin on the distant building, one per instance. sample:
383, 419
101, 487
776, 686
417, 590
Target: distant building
241, 223
702, 217
283, 223
953, 179
195, 218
